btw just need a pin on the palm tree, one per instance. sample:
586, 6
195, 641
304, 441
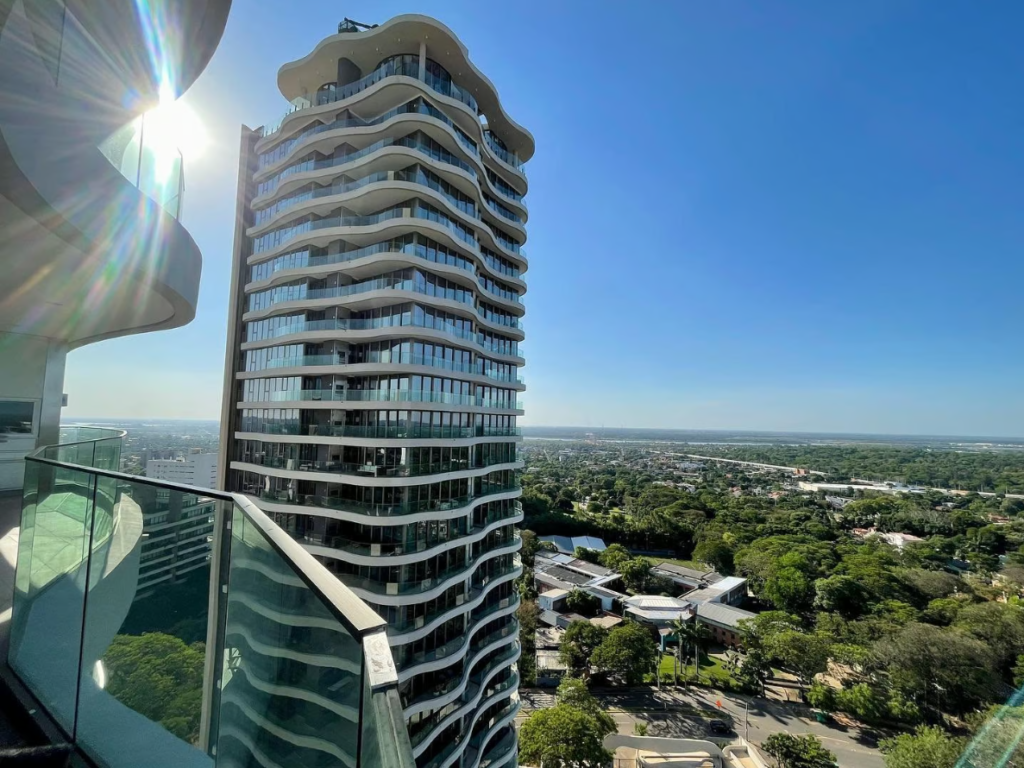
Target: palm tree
700, 635
680, 627
696, 635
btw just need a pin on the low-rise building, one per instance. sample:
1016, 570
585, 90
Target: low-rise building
657, 611
686, 578
569, 544
723, 621
729, 590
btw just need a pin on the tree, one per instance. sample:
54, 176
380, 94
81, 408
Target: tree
531, 545
573, 692
562, 737
928, 747
840, 594
944, 668
999, 626
803, 654
159, 677
716, 553
821, 696
863, 702
582, 603
798, 751
578, 645
1018, 672
636, 574
754, 671
789, 590
628, 652
614, 557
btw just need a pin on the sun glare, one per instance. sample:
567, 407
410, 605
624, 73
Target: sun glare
172, 126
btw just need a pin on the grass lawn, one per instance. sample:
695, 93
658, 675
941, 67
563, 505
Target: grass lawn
710, 667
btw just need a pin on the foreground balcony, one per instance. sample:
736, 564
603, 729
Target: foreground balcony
173, 677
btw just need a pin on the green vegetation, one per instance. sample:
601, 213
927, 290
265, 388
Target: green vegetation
973, 471
931, 632
798, 751
568, 735
160, 677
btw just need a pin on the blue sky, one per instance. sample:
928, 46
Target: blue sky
787, 215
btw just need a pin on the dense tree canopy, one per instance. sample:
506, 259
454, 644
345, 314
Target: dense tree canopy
159, 677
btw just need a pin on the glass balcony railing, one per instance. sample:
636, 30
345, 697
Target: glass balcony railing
217, 668
412, 545
409, 431
385, 396
394, 68
303, 259
382, 510
150, 163
369, 470
301, 361
501, 347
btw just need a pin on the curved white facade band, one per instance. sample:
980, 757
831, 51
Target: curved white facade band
373, 370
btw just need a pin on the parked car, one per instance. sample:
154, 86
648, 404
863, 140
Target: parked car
720, 727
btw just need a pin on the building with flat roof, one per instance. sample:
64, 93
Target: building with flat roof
194, 468
373, 368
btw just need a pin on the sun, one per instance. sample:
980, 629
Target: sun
173, 126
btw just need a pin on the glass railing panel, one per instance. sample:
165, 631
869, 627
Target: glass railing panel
50, 586
143, 648
149, 163
304, 684
126, 671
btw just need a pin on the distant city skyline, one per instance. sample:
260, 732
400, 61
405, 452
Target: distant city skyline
827, 241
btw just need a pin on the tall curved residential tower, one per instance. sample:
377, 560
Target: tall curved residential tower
373, 360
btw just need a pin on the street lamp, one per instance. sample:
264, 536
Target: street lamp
746, 722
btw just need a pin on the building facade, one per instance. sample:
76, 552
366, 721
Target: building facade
373, 362
191, 469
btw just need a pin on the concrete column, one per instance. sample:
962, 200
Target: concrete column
423, 61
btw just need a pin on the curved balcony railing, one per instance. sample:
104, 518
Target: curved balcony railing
302, 259
382, 396
393, 68
509, 158
415, 107
271, 183
509, 348
443, 759
281, 236
302, 292
499, 752
453, 647
381, 510
415, 176
419, 586
410, 431
152, 166
301, 361
480, 686
369, 470
74, 625
414, 546
471, 682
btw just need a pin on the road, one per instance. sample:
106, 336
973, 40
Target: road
671, 713
737, 461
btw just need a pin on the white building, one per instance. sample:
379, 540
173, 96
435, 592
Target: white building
192, 469
373, 368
